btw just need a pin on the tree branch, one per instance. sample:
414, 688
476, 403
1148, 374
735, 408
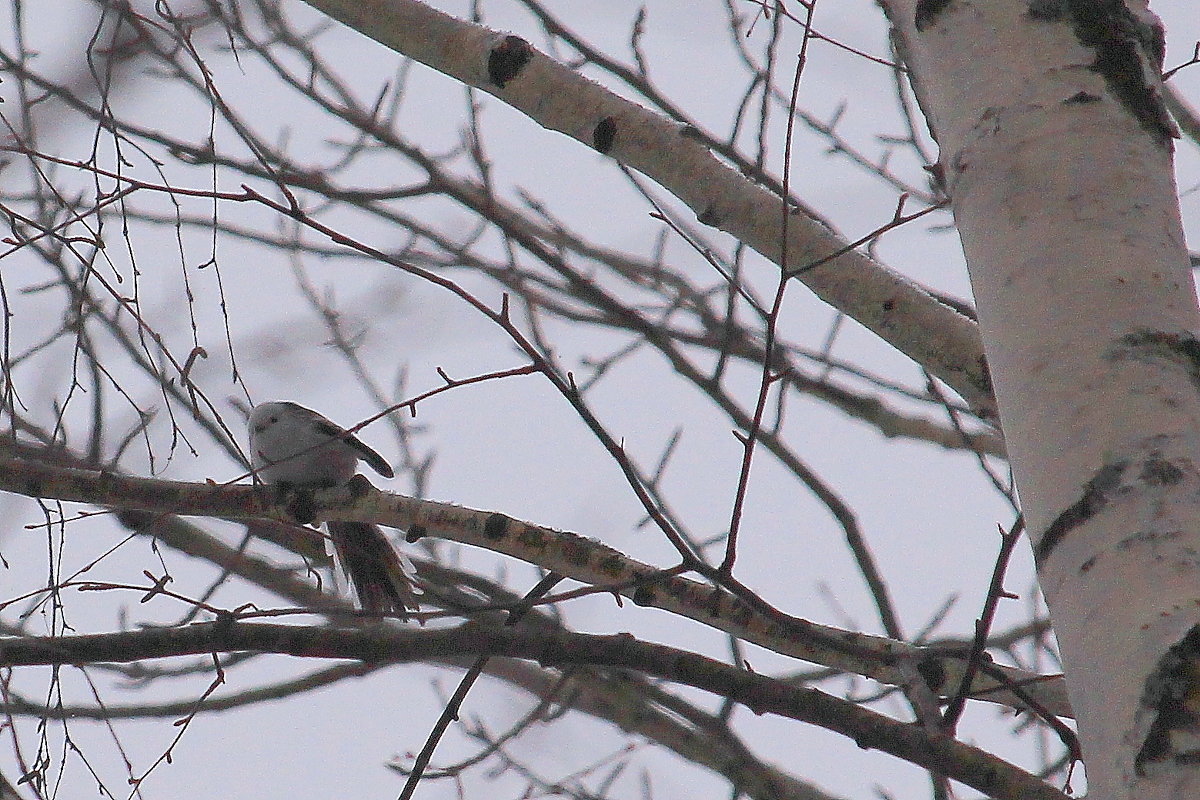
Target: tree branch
569, 554
760, 693
559, 98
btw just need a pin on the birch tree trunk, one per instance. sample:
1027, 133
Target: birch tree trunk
1057, 154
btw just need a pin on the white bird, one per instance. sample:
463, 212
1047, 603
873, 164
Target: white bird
296, 446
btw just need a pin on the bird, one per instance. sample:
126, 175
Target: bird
294, 446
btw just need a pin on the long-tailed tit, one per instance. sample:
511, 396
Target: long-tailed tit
296, 446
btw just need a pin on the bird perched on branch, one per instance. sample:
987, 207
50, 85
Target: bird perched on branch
294, 446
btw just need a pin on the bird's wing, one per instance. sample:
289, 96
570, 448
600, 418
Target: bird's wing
376, 461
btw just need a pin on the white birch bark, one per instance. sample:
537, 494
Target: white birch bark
1057, 155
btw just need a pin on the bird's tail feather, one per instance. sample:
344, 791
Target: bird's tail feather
374, 567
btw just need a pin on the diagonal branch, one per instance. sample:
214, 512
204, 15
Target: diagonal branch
559, 98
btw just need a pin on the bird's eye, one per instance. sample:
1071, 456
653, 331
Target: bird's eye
274, 420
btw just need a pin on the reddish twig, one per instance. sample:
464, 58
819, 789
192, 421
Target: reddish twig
983, 625
450, 713
750, 440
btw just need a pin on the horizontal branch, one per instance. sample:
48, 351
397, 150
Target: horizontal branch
386, 644
579, 558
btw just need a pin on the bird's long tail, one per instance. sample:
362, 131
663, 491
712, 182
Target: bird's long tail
374, 567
